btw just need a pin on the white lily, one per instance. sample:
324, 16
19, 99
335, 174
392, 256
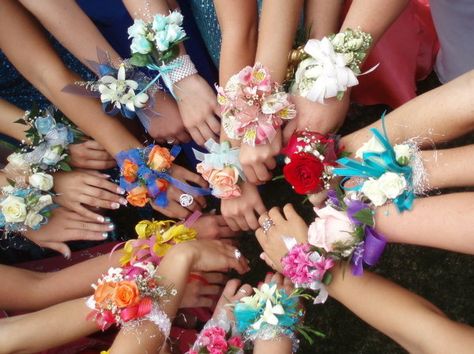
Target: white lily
269, 315
265, 292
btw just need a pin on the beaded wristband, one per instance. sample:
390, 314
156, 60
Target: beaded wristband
184, 67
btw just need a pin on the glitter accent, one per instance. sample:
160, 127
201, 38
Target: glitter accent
185, 69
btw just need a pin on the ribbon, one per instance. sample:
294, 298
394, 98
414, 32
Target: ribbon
374, 165
163, 71
219, 156
368, 251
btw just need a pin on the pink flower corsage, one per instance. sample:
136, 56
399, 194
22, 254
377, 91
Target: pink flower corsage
253, 107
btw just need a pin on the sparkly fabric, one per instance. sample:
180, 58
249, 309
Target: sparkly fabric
185, 69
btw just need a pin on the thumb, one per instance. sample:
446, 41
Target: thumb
60, 247
217, 110
288, 131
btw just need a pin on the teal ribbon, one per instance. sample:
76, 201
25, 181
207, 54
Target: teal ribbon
374, 165
163, 72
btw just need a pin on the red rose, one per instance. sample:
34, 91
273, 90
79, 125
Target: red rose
304, 173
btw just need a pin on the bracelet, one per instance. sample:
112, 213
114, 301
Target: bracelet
388, 173
310, 158
184, 68
126, 295
332, 65
253, 107
221, 168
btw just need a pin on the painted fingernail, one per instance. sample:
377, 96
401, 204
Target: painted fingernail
100, 219
105, 234
269, 274
262, 256
259, 284
111, 226
67, 255
106, 175
123, 201
115, 205
120, 190
107, 219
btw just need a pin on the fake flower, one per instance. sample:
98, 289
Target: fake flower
42, 181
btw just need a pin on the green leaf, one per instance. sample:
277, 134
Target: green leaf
365, 216
276, 178
139, 60
64, 166
11, 182
21, 121
327, 279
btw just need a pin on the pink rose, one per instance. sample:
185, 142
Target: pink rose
224, 182
203, 171
330, 227
236, 342
218, 346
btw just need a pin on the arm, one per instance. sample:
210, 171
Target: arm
322, 17
9, 114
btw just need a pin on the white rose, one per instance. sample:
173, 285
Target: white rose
175, 18
392, 184
402, 153
42, 181
138, 29
17, 161
14, 209
373, 145
355, 43
33, 220
372, 190
53, 156
43, 202
339, 39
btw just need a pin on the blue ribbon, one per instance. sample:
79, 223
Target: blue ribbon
163, 72
374, 165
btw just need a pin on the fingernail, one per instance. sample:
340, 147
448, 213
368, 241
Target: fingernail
107, 219
105, 234
111, 226
269, 274
259, 284
262, 256
115, 205
120, 190
100, 219
67, 255
106, 175
123, 201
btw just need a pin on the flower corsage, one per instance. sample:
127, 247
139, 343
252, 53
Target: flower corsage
145, 175
386, 172
309, 160
26, 205
221, 168
271, 313
155, 45
331, 65
127, 295
344, 230
218, 336
154, 240
50, 133
253, 107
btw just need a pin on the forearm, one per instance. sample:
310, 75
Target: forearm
8, 115
276, 41
437, 116
46, 329
410, 320
282, 345
238, 22
65, 20
322, 17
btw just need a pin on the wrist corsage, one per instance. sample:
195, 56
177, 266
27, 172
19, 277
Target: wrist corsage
221, 168
50, 133
26, 205
387, 173
310, 158
218, 336
271, 313
145, 175
155, 45
331, 65
253, 107
154, 240
125, 296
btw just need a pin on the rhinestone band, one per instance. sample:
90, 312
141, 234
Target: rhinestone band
185, 68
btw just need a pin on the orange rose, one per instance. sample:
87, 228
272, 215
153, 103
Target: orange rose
126, 294
104, 292
203, 171
224, 182
138, 196
160, 159
162, 184
129, 171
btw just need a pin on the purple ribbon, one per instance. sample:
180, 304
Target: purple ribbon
368, 251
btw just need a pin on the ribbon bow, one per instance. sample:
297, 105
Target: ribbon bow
219, 156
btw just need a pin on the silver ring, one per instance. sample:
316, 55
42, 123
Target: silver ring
186, 200
170, 140
237, 254
267, 224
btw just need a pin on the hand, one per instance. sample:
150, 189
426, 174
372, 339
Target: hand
314, 116
64, 226
198, 106
211, 227
174, 208
209, 256
239, 213
272, 241
232, 293
91, 155
78, 189
168, 126
200, 293
257, 161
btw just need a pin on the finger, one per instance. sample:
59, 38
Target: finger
262, 173
206, 132
232, 224
268, 261
251, 220
197, 136
276, 215
106, 196
173, 210
59, 247
99, 155
227, 232
88, 214
96, 202
94, 164
214, 125
260, 207
250, 175
215, 278
261, 238
92, 144
238, 266
268, 277
217, 111
103, 183
270, 164
244, 290
290, 213
95, 173
203, 301
242, 223
288, 285
183, 137
210, 290
262, 218
289, 130
278, 279
228, 293
195, 178
89, 226
175, 194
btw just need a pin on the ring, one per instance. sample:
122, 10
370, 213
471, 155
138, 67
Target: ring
237, 254
267, 224
170, 140
186, 200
